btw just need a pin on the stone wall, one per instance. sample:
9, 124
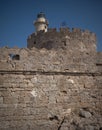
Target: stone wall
44, 89
64, 38
70, 60
56, 85
50, 101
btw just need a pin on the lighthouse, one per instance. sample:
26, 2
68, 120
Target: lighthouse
41, 22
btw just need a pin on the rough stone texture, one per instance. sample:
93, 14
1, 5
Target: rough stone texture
85, 114
44, 101
52, 88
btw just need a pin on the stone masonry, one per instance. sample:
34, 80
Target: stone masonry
53, 84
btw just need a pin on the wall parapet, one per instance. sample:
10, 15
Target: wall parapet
66, 30
42, 39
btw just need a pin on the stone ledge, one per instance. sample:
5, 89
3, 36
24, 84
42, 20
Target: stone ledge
51, 73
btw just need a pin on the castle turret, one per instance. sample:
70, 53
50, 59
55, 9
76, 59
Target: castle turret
41, 22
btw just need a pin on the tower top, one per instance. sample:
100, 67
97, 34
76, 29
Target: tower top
41, 15
41, 22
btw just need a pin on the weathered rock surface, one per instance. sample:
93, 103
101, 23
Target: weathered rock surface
85, 114
50, 88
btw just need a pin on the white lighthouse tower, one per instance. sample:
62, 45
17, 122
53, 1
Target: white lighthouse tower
41, 22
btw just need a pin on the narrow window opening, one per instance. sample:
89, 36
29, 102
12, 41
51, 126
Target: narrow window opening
14, 56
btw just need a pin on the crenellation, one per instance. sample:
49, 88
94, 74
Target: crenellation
76, 30
87, 32
53, 39
52, 30
65, 30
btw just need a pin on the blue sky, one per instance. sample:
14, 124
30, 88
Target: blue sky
17, 16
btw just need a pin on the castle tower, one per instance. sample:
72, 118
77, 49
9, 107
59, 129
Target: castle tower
41, 22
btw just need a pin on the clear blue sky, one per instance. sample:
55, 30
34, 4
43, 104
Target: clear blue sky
17, 16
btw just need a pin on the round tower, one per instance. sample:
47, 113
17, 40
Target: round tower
41, 22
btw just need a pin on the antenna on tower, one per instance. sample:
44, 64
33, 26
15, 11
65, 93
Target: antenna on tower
63, 24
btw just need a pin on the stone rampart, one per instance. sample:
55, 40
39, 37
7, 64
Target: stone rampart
71, 60
64, 38
50, 101
56, 84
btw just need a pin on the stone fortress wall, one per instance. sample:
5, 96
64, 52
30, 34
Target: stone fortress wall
60, 39
54, 84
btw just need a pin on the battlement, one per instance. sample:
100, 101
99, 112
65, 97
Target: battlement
55, 38
67, 31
